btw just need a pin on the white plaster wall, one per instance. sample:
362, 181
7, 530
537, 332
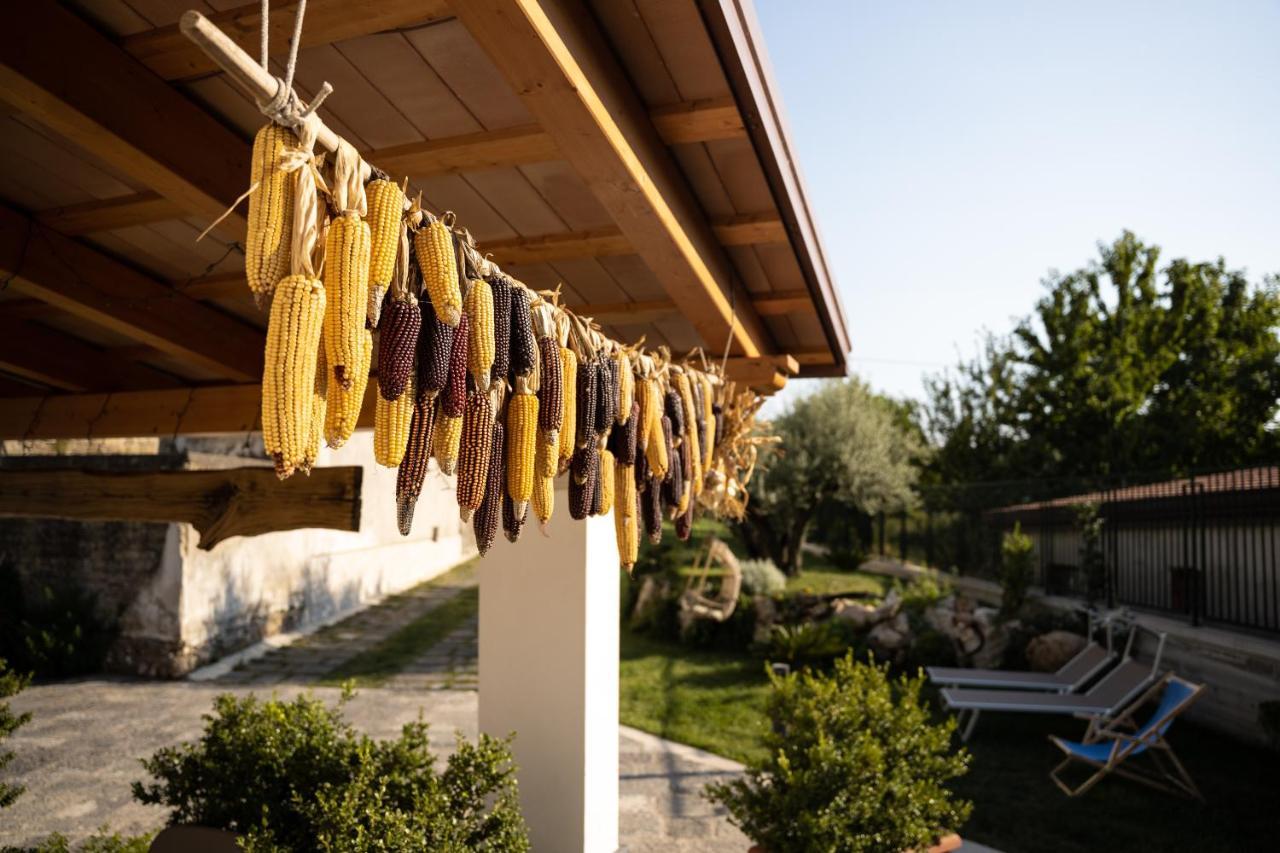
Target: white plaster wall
297, 578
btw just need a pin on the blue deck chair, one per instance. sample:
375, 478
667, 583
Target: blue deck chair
1110, 747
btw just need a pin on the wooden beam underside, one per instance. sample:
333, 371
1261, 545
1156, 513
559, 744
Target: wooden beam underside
82, 281
57, 69
40, 354
219, 504
783, 302
556, 59
126, 414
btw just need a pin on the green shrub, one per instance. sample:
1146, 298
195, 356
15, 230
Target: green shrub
99, 842
52, 631
1017, 564
11, 684
809, 641
762, 577
854, 764
920, 594
295, 776
1089, 523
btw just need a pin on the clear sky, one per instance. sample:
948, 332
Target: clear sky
955, 152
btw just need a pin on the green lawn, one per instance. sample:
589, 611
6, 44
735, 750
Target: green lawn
825, 580
715, 701
373, 667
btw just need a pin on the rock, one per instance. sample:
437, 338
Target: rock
766, 610
1048, 652
890, 637
856, 613
996, 643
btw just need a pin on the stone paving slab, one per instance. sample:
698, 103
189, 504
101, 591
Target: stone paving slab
80, 752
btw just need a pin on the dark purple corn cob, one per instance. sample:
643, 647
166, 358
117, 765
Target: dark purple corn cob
513, 525
454, 402
485, 521
435, 343
501, 288
622, 438
524, 350
413, 468
584, 470
398, 333
586, 402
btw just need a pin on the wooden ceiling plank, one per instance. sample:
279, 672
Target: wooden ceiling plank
184, 411
750, 229
173, 57
75, 278
783, 302
50, 357
557, 60
117, 109
698, 121
109, 214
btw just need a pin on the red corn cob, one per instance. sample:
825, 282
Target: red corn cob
454, 401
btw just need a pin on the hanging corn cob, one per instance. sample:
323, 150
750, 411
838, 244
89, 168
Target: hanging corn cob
626, 383
709, 415
473, 466
626, 516
446, 440
524, 349
584, 471
346, 280
693, 450
435, 346
522, 434
454, 399
343, 405
480, 349
485, 521
673, 494
413, 468
569, 406
655, 445
684, 524
608, 403
289, 366
513, 518
588, 385
433, 244
544, 488
386, 211
650, 504
268, 238
605, 483
400, 330
550, 392
500, 288
391, 420
315, 425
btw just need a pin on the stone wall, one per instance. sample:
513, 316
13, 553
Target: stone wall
178, 607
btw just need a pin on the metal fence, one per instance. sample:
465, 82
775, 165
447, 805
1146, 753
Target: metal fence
1205, 546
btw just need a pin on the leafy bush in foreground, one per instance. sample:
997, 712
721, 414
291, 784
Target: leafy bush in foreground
295, 776
855, 765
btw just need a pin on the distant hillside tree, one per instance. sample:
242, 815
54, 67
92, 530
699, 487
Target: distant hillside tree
1124, 366
843, 443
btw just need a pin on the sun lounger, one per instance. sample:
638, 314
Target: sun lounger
1104, 700
1073, 675
1110, 747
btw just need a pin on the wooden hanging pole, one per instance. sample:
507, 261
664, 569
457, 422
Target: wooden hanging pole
258, 82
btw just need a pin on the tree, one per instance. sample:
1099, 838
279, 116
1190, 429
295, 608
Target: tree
1123, 366
840, 443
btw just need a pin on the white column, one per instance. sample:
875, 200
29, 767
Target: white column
549, 672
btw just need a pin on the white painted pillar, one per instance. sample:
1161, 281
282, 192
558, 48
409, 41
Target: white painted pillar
549, 672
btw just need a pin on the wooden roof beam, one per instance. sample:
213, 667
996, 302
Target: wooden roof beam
44, 355
782, 302
168, 53
109, 214
557, 60
62, 72
123, 414
82, 281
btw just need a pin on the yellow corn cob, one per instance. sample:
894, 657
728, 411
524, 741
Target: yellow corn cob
386, 207
708, 413
315, 427
343, 405
625, 521
655, 448
626, 385
288, 372
269, 235
691, 430
522, 440
391, 420
604, 481
346, 281
548, 453
544, 486
481, 348
569, 395
434, 247
446, 441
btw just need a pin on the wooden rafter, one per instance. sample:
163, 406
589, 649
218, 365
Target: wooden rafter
698, 121
109, 214
782, 302
52, 358
57, 69
170, 55
82, 281
181, 411
557, 60
219, 504
603, 242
